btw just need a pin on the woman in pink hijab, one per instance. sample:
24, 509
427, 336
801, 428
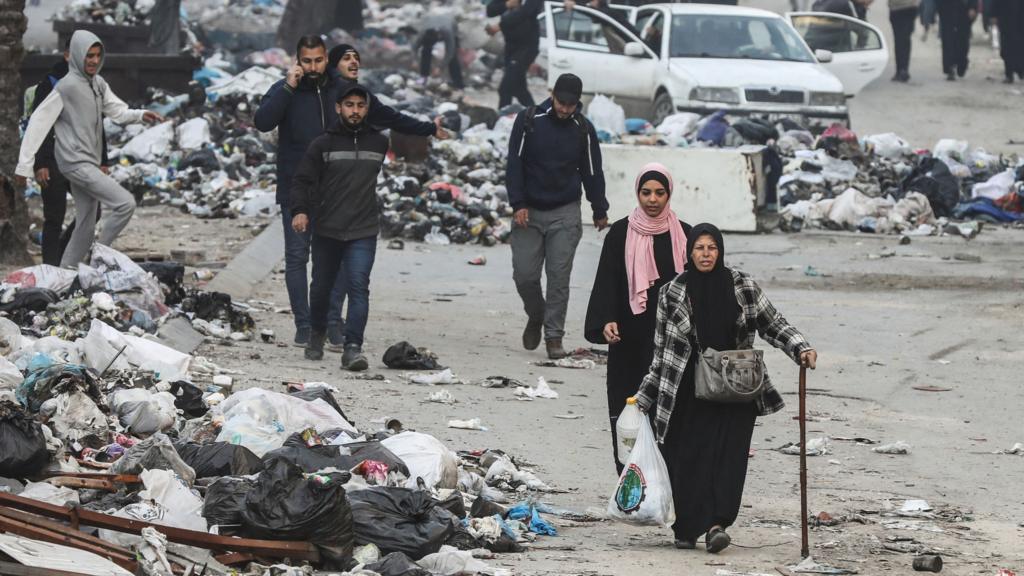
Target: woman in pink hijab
641, 253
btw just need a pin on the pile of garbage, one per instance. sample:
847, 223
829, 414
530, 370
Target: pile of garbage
131, 13
838, 180
125, 428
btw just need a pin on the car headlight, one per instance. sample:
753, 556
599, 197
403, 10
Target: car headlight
828, 99
723, 95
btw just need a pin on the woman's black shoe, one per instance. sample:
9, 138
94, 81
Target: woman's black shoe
951, 77
686, 543
716, 540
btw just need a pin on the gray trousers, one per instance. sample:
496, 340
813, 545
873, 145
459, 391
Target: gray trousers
548, 243
89, 188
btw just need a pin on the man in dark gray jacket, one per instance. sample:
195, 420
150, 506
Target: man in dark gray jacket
334, 194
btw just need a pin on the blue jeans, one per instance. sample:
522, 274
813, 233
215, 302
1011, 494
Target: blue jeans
296, 257
329, 255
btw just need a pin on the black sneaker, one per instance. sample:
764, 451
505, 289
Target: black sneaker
531, 335
315, 348
716, 540
353, 359
336, 338
301, 336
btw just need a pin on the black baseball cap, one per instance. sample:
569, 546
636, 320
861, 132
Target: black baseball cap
568, 89
354, 89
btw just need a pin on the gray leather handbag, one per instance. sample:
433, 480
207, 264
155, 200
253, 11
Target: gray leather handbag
730, 376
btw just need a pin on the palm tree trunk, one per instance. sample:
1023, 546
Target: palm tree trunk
13, 212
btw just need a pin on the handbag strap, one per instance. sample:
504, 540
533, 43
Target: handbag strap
693, 323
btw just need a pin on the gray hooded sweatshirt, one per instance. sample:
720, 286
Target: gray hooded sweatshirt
75, 110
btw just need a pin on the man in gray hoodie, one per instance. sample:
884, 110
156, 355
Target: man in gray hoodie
75, 111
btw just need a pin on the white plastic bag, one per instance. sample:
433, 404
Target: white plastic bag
606, 115
193, 134
43, 276
10, 376
643, 494
11, 339
426, 457
889, 145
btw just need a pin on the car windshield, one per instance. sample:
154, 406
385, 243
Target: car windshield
724, 36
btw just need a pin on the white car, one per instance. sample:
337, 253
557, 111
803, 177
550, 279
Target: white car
703, 58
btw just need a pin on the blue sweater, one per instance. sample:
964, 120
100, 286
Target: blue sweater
547, 167
303, 113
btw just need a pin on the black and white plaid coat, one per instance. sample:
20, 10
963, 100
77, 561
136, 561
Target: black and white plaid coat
672, 345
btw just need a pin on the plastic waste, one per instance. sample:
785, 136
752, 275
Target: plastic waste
949, 147
75, 415
193, 134
400, 520
10, 375
606, 115
536, 524
425, 457
470, 424
142, 412
22, 443
395, 564
261, 420
154, 453
224, 501
888, 145
46, 492
995, 187
311, 458
542, 390
443, 377
152, 553
815, 447
287, 505
183, 506
11, 340
627, 428
643, 494
440, 397
899, 447
219, 459
189, 399
43, 276
151, 144
450, 561
103, 342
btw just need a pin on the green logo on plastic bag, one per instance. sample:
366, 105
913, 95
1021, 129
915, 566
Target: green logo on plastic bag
632, 489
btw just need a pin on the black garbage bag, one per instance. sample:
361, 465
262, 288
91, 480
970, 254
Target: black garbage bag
189, 399
219, 459
932, 178
217, 306
756, 130
396, 564
22, 443
204, 159
285, 505
455, 504
400, 520
224, 501
30, 300
171, 275
374, 450
405, 356
310, 458
324, 394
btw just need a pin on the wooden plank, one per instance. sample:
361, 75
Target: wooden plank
252, 264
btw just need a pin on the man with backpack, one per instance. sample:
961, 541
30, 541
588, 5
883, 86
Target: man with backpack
552, 152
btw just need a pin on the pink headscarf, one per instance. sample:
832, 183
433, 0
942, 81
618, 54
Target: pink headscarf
641, 269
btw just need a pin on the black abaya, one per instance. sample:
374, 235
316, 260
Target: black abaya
628, 360
1010, 19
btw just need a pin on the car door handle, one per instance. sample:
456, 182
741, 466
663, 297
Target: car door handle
866, 67
561, 63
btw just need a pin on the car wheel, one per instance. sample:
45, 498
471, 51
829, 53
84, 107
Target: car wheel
663, 108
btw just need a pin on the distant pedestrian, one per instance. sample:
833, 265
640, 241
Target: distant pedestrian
552, 152
75, 110
955, 18
902, 15
334, 196
521, 30
1009, 17
440, 28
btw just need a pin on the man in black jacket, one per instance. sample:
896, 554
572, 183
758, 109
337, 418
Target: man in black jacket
334, 195
552, 151
521, 30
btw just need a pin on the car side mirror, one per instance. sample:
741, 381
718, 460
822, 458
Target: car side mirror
634, 49
823, 56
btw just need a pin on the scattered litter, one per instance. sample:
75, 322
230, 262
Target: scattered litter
815, 447
899, 447
1017, 449
471, 424
931, 388
478, 261
810, 566
542, 390
443, 377
441, 397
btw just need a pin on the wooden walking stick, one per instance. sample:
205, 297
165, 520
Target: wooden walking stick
804, 548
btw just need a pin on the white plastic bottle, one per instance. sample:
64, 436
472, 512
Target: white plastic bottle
627, 428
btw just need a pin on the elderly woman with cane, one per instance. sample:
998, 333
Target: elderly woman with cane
706, 385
